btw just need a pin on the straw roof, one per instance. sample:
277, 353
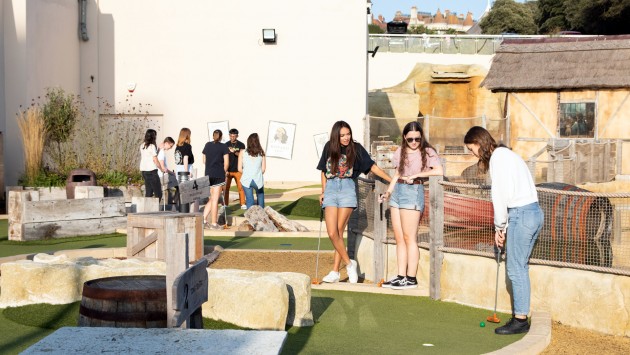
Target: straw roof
560, 64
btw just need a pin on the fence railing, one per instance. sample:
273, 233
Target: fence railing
582, 230
442, 44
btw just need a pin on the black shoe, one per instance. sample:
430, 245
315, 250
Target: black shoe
513, 326
393, 282
405, 283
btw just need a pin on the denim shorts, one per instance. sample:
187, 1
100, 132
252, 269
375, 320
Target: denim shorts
407, 197
340, 193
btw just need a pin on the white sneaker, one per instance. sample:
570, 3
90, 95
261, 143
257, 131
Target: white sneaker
243, 207
353, 276
332, 277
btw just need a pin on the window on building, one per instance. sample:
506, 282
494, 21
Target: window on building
577, 120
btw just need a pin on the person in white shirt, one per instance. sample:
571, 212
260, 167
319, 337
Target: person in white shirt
518, 218
149, 165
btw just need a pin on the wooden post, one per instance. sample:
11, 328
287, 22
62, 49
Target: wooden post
176, 263
436, 225
380, 231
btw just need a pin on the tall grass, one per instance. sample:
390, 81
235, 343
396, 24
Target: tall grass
33, 130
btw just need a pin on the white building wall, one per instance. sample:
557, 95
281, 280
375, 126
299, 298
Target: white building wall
196, 62
41, 50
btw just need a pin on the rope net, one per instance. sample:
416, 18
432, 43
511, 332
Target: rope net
581, 229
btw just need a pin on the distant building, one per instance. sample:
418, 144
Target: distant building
438, 22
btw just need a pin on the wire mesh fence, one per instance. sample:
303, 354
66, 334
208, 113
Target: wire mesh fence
582, 229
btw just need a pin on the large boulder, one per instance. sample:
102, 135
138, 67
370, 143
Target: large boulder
259, 219
283, 223
247, 299
59, 280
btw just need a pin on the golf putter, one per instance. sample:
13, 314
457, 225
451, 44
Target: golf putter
380, 283
493, 318
225, 226
319, 238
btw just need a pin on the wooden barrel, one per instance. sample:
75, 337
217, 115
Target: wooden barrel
124, 302
577, 229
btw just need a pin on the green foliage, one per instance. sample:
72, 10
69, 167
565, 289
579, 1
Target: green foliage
112, 178
372, 28
552, 16
602, 17
509, 16
60, 113
419, 29
43, 179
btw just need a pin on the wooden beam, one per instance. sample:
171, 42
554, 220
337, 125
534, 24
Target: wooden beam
148, 240
436, 227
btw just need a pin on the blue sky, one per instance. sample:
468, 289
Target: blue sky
388, 8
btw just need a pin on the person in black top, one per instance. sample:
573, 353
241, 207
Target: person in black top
215, 156
184, 158
234, 146
342, 161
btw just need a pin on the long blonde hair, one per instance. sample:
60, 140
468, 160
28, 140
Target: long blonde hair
184, 137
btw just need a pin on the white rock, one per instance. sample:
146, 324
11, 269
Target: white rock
247, 299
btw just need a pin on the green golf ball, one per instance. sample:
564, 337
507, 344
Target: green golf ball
482, 324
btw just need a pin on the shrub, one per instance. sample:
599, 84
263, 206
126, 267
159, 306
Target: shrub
32, 128
60, 114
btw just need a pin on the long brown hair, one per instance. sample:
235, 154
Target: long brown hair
184, 137
413, 126
487, 145
253, 146
334, 148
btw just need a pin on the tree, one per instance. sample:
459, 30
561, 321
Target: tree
509, 16
60, 115
604, 17
552, 16
372, 28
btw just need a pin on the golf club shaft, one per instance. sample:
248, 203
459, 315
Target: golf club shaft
496, 288
319, 238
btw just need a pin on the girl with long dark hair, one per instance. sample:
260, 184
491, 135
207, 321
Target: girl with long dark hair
414, 159
252, 164
215, 156
149, 165
342, 161
515, 203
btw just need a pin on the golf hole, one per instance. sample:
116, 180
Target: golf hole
286, 245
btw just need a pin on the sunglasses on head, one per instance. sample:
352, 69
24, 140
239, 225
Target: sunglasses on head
410, 140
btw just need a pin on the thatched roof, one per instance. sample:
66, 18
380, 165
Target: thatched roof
560, 64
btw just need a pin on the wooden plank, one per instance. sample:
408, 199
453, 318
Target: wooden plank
436, 226
176, 263
62, 229
67, 210
148, 240
190, 291
194, 189
136, 221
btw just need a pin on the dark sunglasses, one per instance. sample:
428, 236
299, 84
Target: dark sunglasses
410, 140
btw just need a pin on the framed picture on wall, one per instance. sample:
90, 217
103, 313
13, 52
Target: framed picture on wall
224, 126
280, 140
320, 142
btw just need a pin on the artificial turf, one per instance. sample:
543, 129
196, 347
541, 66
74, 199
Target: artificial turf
344, 322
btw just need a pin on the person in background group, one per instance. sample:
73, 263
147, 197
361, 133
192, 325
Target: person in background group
414, 159
149, 165
215, 157
517, 217
234, 146
170, 180
184, 158
252, 164
342, 161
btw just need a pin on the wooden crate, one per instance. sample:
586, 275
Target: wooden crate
148, 233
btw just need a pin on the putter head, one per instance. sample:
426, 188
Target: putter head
493, 319
380, 283
316, 282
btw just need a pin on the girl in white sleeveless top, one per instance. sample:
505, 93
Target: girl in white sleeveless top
252, 165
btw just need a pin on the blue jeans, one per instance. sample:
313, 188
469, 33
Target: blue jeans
340, 193
524, 225
249, 195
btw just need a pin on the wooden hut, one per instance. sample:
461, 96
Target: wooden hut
567, 105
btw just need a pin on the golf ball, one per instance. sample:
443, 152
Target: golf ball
482, 324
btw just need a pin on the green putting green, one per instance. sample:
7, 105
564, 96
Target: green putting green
344, 321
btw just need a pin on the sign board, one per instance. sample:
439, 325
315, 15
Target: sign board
191, 190
190, 290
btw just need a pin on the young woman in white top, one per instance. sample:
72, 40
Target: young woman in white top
515, 203
414, 159
149, 165
252, 165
